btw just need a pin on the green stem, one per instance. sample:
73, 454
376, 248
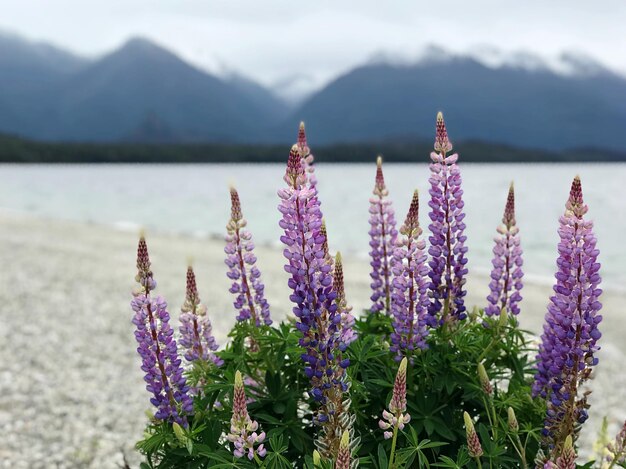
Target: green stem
478, 463
393, 446
523, 452
258, 460
489, 347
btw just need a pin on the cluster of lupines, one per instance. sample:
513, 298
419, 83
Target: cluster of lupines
506, 276
447, 240
157, 347
569, 341
243, 430
196, 332
247, 286
410, 288
383, 235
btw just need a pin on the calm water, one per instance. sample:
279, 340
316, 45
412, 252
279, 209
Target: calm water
194, 199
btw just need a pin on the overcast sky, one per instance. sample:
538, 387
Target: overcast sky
271, 39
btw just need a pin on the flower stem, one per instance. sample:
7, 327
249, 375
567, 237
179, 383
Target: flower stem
393, 446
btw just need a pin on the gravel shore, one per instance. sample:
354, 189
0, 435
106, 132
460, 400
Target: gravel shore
71, 391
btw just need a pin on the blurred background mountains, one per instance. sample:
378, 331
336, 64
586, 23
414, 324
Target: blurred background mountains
143, 94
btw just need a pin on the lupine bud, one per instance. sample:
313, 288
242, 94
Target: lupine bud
383, 236
410, 287
474, 449
617, 450
396, 416
506, 276
485, 383
247, 286
343, 457
243, 430
306, 156
569, 341
513, 425
196, 331
317, 460
447, 241
157, 347
503, 319
567, 459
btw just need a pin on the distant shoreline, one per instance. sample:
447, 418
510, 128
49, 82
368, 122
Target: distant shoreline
19, 150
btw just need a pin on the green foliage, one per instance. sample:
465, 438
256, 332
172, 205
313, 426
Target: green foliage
442, 383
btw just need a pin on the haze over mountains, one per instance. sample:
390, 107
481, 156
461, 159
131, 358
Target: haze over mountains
142, 92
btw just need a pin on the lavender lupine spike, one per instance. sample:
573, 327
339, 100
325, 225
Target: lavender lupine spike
448, 262
506, 276
157, 347
307, 157
570, 333
396, 416
410, 287
196, 331
383, 236
314, 297
347, 334
243, 430
242, 270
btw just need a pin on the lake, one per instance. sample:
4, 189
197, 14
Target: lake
194, 199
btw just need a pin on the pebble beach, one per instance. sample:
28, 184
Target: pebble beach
71, 390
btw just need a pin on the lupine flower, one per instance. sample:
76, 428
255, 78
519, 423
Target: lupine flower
474, 449
512, 420
307, 157
327, 257
242, 270
485, 383
196, 332
157, 347
311, 282
347, 334
396, 416
243, 430
506, 276
343, 456
447, 241
617, 449
383, 236
569, 341
567, 458
410, 287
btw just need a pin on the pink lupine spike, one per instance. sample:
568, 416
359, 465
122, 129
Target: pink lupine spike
347, 334
474, 448
396, 416
243, 430
442, 144
343, 456
509, 211
302, 136
383, 235
247, 286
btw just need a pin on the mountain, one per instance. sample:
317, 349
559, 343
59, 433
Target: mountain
511, 104
131, 94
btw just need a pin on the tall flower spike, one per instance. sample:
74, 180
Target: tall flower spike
347, 334
447, 240
243, 430
570, 332
383, 236
196, 331
343, 456
506, 276
313, 296
396, 416
157, 347
307, 156
410, 287
247, 286
474, 449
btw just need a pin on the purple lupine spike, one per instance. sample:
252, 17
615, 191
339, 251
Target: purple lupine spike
506, 276
314, 300
396, 415
570, 333
383, 236
242, 270
243, 430
196, 331
157, 347
410, 287
448, 264
308, 160
347, 334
